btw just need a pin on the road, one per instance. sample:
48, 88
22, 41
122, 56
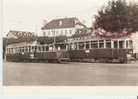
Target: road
70, 74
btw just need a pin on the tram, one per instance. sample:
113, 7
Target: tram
37, 53
101, 50
82, 50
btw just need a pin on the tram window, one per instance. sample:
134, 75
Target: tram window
87, 45
39, 48
94, 44
101, 43
26, 49
130, 44
63, 46
121, 43
47, 48
15, 50
19, 50
10, 50
43, 48
81, 45
74, 46
127, 45
29, 48
34, 48
115, 44
7, 50
108, 43
22, 49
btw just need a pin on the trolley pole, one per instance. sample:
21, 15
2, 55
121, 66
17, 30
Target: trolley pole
54, 41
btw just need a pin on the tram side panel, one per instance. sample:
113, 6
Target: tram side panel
98, 54
17, 57
45, 55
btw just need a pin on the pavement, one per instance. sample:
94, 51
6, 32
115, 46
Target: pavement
70, 74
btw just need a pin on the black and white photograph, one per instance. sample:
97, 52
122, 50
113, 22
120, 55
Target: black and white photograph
70, 43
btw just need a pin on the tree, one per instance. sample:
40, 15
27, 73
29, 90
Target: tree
133, 17
117, 17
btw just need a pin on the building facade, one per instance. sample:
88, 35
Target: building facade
61, 27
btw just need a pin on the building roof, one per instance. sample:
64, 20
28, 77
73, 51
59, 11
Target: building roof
62, 23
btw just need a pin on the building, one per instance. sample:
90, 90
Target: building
62, 27
19, 34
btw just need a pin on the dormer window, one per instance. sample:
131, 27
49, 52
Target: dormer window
60, 23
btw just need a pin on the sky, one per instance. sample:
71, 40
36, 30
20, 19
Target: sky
28, 15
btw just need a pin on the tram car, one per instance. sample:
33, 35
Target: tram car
100, 50
34, 52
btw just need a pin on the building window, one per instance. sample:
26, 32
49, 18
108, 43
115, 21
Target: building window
60, 23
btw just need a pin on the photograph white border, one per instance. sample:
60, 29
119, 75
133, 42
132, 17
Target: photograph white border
61, 90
